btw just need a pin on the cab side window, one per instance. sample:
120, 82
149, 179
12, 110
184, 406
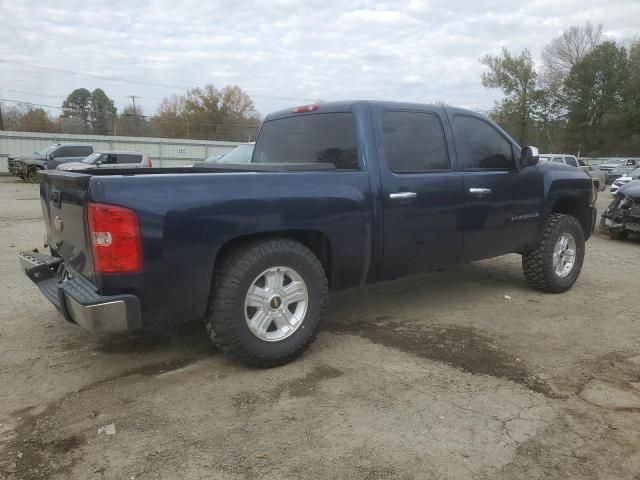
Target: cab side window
482, 147
571, 161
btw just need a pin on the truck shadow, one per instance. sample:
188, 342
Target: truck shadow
189, 336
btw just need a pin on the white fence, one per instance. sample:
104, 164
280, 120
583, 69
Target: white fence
164, 152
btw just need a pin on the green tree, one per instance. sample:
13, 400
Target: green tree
631, 106
102, 112
77, 105
517, 78
594, 92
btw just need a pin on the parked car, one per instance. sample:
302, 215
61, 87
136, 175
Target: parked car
27, 167
337, 195
619, 182
599, 177
622, 216
610, 164
620, 171
613, 164
110, 160
240, 154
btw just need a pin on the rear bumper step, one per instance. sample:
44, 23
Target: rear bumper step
76, 298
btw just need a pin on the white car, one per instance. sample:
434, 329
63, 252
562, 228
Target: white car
110, 160
633, 175
599, 177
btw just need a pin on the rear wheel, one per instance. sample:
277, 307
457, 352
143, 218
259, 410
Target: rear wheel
555, 264
266, 302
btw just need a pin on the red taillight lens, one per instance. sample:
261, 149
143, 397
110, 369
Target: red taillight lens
115, 239
306, 108
150, 164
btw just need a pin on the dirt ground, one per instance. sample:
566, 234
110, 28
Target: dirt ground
437, 376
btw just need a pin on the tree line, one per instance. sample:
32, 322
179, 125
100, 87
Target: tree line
583, 99
201, 113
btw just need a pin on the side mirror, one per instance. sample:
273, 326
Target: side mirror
529, 156
51, 156
98, 162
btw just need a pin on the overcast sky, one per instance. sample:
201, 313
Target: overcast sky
282, 52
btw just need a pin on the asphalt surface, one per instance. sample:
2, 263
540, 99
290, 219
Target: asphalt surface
465, 373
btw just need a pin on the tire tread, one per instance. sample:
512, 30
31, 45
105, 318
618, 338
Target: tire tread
536, 273
228, 278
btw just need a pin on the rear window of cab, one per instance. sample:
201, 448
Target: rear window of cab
316, 138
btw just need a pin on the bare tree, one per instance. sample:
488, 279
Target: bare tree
564, 52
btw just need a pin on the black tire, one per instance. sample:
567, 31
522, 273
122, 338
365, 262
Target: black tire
32, 176
234, 275
538, 264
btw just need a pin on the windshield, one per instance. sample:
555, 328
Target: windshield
47, 150
544, 158
240, 154
635, 172
93, 158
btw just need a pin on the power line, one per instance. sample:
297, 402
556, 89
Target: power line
29, 103
137, 82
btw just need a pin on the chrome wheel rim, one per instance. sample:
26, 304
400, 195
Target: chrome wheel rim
564, 255
276, 303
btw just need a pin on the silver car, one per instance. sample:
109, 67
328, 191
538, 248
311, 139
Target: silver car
110, 160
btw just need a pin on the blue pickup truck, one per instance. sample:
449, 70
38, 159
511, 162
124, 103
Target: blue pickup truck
336, 195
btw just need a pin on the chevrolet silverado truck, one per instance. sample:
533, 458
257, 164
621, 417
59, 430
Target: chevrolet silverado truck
336, 195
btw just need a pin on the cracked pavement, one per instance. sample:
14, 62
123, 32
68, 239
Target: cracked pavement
436, 376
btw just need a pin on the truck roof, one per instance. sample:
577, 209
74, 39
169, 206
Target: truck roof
347, 105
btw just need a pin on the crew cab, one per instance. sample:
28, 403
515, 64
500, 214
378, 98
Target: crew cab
27, 167
336, 195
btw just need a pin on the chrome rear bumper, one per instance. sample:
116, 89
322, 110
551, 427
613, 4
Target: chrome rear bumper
77, 299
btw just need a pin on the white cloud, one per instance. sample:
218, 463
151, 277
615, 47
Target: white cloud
282, 51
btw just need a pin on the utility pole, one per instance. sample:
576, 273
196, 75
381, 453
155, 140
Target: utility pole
133, 99
135, 112
1, 121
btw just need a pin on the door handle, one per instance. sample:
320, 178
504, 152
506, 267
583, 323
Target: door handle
403, 195
480, 191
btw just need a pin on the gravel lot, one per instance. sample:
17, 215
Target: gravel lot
434, 376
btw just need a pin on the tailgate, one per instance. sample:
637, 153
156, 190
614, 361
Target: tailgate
63, 196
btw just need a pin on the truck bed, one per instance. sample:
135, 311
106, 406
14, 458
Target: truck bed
210, 167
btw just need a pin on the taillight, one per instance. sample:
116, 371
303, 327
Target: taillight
150, 164
115, 239
306, 108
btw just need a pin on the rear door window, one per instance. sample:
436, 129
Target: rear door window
129, 158
414, 142
316, 138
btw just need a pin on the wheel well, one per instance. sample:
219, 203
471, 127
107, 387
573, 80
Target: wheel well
314, 240
575, 207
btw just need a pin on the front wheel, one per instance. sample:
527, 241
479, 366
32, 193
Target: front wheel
32, 176
266, 302
555, 264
